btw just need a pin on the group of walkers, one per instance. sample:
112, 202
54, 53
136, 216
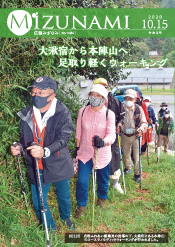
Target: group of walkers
46, 129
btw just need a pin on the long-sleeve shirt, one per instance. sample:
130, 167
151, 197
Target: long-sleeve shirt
129, 120
151, 115
91, 124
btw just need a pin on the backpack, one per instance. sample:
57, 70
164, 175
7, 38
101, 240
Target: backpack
137, 116
106, 113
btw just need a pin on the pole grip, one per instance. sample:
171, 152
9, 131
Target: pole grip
34, 144
15, 144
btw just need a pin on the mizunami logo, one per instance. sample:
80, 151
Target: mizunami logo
19, 22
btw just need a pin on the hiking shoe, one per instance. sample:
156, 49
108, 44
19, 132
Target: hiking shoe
137, 178
117, 186
80, 211
126, 171
70, 224
101, 202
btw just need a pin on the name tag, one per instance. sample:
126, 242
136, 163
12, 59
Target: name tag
129, 131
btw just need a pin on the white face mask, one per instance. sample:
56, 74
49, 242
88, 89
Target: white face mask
167, 115
128, 103
163, 108
147, 104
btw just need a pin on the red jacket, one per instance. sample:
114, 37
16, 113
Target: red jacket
144, 107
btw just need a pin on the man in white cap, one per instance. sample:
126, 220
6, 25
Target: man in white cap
134, 125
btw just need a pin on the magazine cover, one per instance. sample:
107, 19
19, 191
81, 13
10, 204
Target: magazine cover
87, 123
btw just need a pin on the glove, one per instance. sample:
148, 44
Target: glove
75, 152
118, 129
98, 142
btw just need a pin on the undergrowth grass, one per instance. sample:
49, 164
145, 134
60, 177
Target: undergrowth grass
146, 210
158, 91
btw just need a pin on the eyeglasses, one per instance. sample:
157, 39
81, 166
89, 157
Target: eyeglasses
96, 95
41, 93
128, 98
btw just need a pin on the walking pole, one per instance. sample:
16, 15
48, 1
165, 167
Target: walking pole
94, 174
43, 210
121, 162
21, 177
147, 147
155, 138
158, 154
140, 161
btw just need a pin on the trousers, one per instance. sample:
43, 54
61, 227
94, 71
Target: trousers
127, 144
63, 197
84, 172
166, 141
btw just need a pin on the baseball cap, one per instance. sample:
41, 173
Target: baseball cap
130, 93
44, 82
139, 94
167, 111
99, 89
101, 81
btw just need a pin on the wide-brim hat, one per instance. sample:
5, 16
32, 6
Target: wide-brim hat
130, 93
44, 82
101, 81
163, 103
99, 89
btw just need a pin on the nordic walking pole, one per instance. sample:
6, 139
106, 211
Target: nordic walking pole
158, 154
21, 177
94, 174
121, 162
147, 147
140, 161
155, 138
43, 210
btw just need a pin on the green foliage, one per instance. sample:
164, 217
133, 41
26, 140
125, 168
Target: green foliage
168, 4
143, 48
154, 44
168, 46
63, 4
68, 96
170, 56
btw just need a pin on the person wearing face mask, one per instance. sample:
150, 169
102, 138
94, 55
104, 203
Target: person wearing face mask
134, 125
161, 112
95, 129
166, 127
152, 119
47, 123
140, 102
116, 106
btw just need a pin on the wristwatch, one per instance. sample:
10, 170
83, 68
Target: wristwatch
46, 152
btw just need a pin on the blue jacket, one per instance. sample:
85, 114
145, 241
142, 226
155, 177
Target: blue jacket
151, 115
